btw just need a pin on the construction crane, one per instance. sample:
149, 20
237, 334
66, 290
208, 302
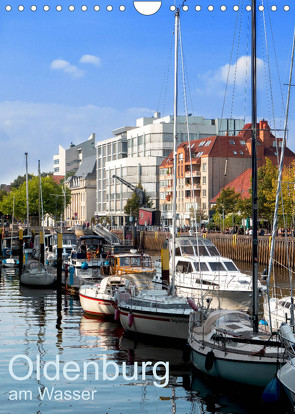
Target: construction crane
140, 193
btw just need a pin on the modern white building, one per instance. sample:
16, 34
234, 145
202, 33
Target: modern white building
69, 160
135, 154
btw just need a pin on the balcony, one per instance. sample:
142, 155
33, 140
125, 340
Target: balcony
194, 173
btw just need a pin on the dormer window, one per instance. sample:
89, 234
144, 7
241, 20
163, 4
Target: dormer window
232, 142
242, 142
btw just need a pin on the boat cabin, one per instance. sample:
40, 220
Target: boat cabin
195, 246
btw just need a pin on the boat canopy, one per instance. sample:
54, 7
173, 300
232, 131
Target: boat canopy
33, 264
195, 246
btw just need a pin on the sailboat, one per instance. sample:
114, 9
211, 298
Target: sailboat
34, 272
11, 261
159, 312
286, 374
231, 344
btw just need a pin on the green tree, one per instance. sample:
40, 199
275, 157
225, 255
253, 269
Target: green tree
132, 206
20, 180
228, 201
52, 194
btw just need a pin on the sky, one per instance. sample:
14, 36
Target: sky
65, 75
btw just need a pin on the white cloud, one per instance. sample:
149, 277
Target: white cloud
239, 71
93, 60
67, 67
39, 128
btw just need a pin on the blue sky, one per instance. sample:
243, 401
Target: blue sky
64, 75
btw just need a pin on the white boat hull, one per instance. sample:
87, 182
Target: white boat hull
251, 370
221, 299
97, 306
286, 376
9, 263
157, 324
37, 279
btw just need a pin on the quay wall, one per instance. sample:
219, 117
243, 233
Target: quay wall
236, 247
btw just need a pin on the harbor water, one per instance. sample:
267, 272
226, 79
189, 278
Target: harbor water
53, 358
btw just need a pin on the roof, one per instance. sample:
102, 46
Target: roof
215, 146
57, 178
240, 184
87, 167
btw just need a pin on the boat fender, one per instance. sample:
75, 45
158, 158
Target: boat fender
209, 360
84, 266
192, 304
186, 353
263, 322
117, 315
130, 319
271, 393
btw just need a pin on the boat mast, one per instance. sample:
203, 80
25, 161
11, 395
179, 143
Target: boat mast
254, 171
12, 220
175, 146
27, 194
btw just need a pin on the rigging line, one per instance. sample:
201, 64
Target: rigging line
187, 127
278, 191
164, 87
276, 60
246, 77
236, 66
230, 61
270, 83
188, 83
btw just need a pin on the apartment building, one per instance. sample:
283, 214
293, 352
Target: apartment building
83, 189
69, 160
205, 166
136, 153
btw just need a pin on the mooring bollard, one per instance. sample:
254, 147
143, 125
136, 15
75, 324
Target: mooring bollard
59, 261
21, 249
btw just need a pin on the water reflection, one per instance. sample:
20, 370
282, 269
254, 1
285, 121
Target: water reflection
38, 322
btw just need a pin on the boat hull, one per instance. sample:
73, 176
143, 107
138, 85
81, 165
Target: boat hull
156, 324
37, 279
97, 306
250, 370
221, 299
286, 376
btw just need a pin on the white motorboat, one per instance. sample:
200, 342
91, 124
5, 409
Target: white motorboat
99, 299
34, 274
280, 310
10, 262
202, 273
88, 254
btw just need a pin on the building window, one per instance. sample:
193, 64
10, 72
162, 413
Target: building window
56, 169
198, 154
242, 152
208, 143
204, 179
204, 166
242, 142
204, 193
204, 206
201, 143
232, 142
56, 162
235, 152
